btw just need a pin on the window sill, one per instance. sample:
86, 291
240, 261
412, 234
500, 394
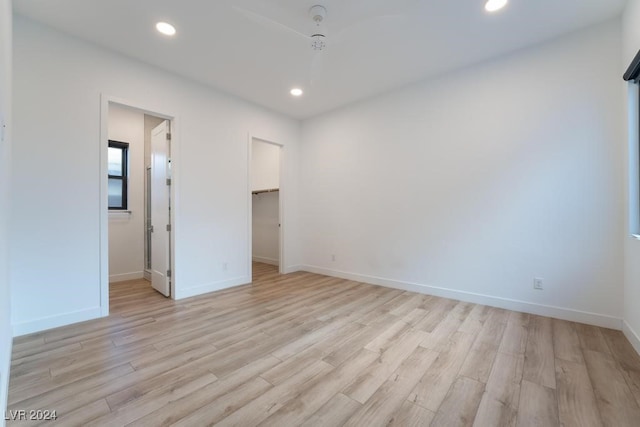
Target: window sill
119, 212
636, 236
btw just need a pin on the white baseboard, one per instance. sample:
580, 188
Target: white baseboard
265, 260
211, 287
291, 269
114, 278
50, 322
146, 275
595, 319
632, 336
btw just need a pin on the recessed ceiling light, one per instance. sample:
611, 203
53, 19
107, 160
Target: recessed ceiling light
494, 5
166, 28
296, 91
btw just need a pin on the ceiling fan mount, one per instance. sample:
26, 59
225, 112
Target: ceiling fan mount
318, 13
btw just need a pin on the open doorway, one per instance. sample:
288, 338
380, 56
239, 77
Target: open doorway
266, 203
138, 199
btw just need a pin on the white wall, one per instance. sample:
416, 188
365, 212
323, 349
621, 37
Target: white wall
126, 230
56, 228
5, 177
471, 185
631, 43
266, 233
265, 165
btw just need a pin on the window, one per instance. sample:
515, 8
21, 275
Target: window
633, 75
118, 166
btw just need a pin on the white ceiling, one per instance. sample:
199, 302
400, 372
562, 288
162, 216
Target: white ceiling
373, 45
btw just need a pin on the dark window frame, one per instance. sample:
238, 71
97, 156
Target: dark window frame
124, 177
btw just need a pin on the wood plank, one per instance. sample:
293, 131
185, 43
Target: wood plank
614, 399
42, 395
133, 409
362, 388
499, 404
435, 383
383, 340
411, 415
515, 335
333, 413
413, 302
474, 322
157, 385
438, 338
344, 352
227, 403
566, 343
67, 398
414, 316
479, 361
539, 362
83, 415
627, 358
176, 410
591, 338
576, 398
312, 399
538, 406
275, 398
387, 401
438, 310
203, 359
461, 404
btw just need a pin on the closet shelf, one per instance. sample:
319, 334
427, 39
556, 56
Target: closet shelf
270, 190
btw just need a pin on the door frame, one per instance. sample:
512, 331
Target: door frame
105, 101
281, 205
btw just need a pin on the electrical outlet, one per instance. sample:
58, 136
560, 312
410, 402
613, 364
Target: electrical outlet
538, 283
333, 257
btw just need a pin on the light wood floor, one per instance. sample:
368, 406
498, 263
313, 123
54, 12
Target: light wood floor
304, 349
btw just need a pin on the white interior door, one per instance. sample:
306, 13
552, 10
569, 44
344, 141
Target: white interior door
160, 212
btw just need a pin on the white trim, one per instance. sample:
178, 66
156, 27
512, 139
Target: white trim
265, 260
249, 207
45, 323
104, 206
632, 336
596, 319
633, 163
105, 100
291, 269
114, 278
212, 287
281, 205
282, 185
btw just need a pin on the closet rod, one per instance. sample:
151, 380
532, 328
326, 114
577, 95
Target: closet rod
271, 190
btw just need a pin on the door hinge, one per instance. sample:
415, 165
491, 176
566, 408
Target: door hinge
168, 181
169, 136
168, 227
168, 273
151, 228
